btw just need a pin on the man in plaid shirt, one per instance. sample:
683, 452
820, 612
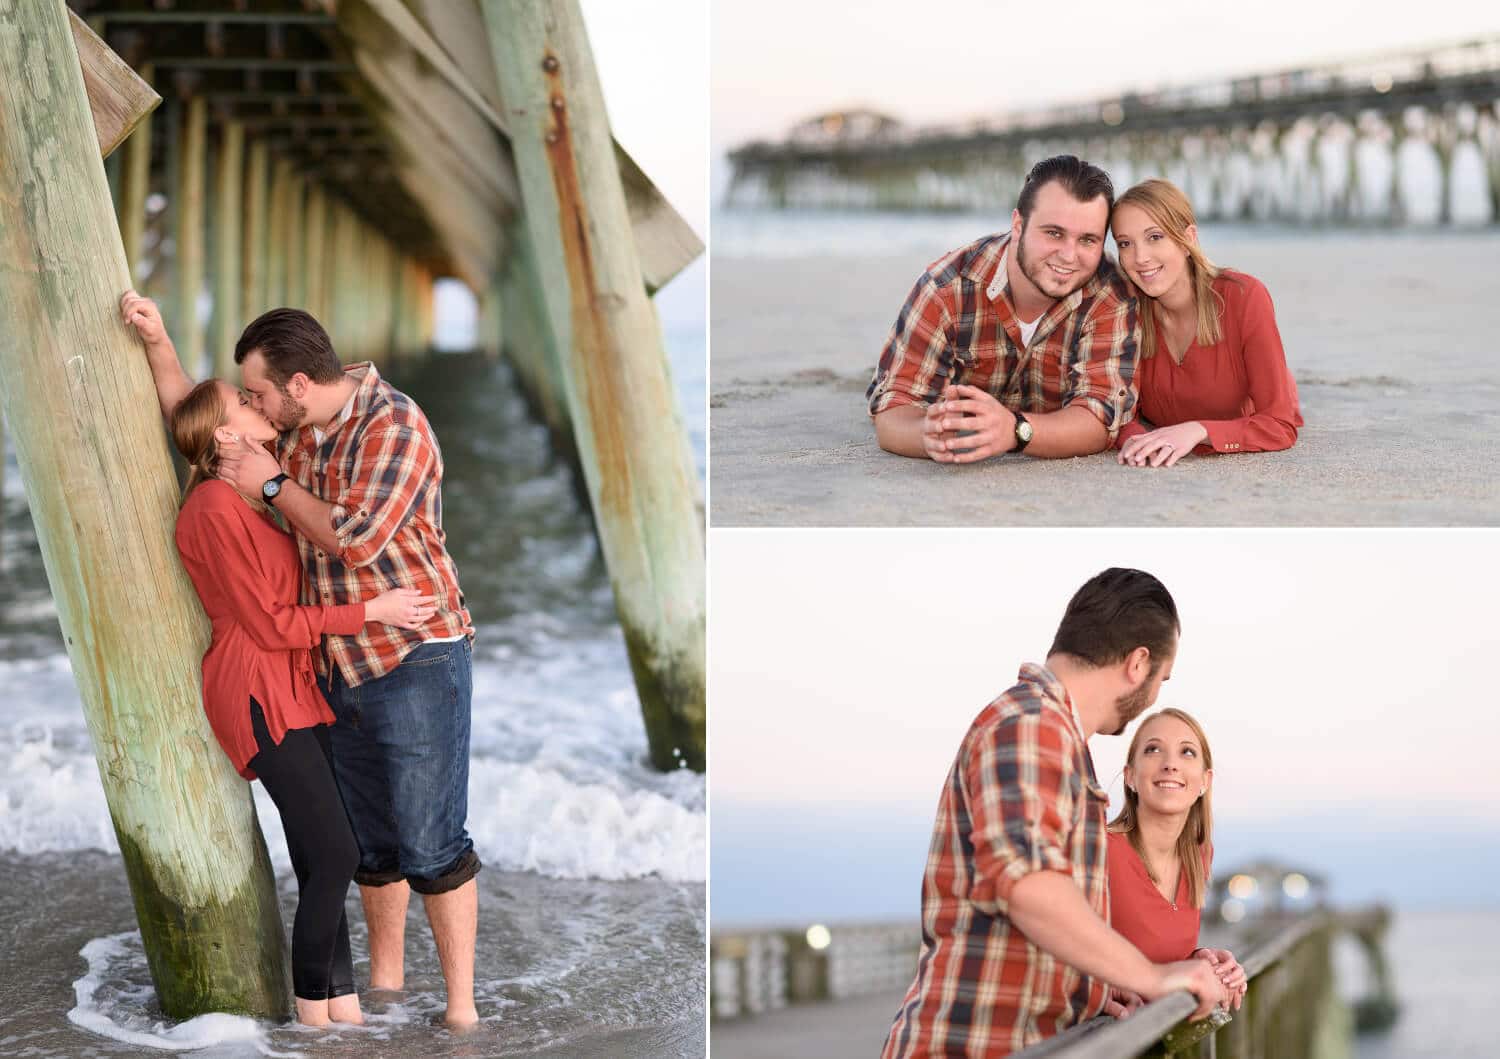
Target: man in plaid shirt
1016, 945
1019, 342
358, 477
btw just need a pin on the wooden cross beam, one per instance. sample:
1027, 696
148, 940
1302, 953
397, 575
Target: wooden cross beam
118, 98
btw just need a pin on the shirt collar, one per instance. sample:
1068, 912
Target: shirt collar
366, 377
1052, 688
998, 282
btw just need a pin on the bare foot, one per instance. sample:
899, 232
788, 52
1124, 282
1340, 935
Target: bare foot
312, 1012
461, 1019
346, 1009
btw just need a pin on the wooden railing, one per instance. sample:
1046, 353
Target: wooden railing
1292, 1007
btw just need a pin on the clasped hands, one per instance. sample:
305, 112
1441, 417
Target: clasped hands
967, 424
1122, 1002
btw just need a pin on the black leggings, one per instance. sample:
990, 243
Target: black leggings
298, 775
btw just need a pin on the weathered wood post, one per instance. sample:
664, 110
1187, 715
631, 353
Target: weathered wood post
295, 242
256, 234
190, 226
315, 223
135, 185
276, 234
88, 442
624, 409
228, 252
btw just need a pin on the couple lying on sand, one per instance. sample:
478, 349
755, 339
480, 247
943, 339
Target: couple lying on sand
1036, 913
1033, 341
339, 669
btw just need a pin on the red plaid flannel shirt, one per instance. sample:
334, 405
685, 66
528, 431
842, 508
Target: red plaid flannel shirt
1021, 797
383, 472
958, 327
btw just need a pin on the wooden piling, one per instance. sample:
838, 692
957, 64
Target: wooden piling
190, 228
228, 251
276, 234
135, 185
101, 491
255, 234
295, 241
623, 406
315, 225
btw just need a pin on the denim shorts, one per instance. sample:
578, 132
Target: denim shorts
401, 758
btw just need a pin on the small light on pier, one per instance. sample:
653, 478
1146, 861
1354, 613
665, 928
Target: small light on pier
1295, 886
1382, 82
819, 937
1233, 911
1244, 886
1112, 114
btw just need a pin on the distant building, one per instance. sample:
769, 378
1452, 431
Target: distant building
843, 126
1264, 888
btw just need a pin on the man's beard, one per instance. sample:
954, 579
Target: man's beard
291, 415
1038, 275
1132, 704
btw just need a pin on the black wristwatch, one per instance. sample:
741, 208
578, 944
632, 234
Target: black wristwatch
272, 489
1023, 432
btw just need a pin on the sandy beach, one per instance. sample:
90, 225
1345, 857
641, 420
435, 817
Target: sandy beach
1391, 337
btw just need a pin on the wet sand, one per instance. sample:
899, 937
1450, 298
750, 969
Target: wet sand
1392, 338
575, 967
844, 1029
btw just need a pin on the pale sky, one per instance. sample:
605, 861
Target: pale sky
776, 62
1330, 669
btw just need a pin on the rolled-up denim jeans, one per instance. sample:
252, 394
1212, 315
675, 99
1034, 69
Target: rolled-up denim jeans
401, 758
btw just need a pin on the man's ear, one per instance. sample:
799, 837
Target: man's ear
1138, 666
297, 385
1016, 224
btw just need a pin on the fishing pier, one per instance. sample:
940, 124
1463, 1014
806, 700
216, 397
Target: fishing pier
340, 156
1407, 137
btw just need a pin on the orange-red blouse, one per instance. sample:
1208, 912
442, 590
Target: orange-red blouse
1239, 388
247, 574
1163, 930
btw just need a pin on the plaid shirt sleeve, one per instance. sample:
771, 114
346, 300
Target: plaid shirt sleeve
1023, 789
1102, 375
393, 470
918, 357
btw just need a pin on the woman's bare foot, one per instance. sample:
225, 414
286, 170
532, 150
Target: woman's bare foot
312, 1012
346, 1009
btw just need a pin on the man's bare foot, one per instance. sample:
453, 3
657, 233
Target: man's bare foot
461, 1019
312, 1012
346, 1009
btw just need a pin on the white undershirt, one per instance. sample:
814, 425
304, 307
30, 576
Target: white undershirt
1027, 330
997, 285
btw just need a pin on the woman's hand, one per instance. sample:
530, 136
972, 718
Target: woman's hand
405, 608
141, 313
1163, 446
1236, 982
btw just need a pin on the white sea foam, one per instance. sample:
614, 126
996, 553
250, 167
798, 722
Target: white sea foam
558, 778
113, 1006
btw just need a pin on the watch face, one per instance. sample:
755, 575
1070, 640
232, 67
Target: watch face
271, 488
1023, 431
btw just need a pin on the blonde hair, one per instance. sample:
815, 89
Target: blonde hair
194, 421
1197, 831
1171, 211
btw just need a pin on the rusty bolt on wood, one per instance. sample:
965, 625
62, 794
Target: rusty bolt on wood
550, 64
557, 103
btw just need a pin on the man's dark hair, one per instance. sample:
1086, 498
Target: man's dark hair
1079, 179
1114, 613
291, 341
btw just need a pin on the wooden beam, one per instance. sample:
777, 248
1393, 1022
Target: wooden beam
642, 485
229, 208
135, 185
253, 240
119, 98
88, 441
191, 219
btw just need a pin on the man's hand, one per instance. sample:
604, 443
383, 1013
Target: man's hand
1198, 978
142, 313
1236, 982
1163, 446
1122, 1003
992, 426
247, 466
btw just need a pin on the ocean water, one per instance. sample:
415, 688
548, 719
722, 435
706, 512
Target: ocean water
592, 902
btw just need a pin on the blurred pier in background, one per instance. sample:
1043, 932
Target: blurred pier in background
1409, 137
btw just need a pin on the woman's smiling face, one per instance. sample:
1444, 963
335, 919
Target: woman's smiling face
1168, 771
1150, 257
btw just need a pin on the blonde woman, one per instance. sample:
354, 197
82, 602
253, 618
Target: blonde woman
259, 691
1160, 849
1211, 372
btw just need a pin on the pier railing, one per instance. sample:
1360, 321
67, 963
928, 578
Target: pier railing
1292, 1007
